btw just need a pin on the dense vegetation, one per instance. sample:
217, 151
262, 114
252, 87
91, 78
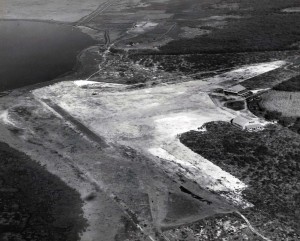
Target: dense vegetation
235, 105
201, 65
290, 85
35, 205
264, 31
269, 161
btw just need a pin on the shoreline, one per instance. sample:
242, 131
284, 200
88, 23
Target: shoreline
90, 209
64, 75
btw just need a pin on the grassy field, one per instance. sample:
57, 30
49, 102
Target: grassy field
268, 162
287, 103
291, 85
276, 106
282, 103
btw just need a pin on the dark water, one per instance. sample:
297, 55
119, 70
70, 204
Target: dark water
33, 52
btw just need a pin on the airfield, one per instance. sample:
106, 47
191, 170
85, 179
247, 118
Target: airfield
118, 134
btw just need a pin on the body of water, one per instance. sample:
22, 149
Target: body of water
32, 52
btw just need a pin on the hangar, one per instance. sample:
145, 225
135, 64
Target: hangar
237, 90
246, 123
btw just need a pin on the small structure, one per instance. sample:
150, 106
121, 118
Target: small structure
237, 90
246, 123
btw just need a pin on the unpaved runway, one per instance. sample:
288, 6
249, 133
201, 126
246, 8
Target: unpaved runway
149, 121
140, 177
77, 125
126, 194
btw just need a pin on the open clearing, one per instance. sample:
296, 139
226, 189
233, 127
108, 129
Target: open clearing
111, 130
291, 10
129, 141
149, 120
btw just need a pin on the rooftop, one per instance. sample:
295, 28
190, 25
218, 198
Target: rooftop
236, 88
243, 120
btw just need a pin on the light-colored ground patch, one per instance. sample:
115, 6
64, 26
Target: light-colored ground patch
84, 82
5, 118
218, 21
201, 170
247, 72
95, 34
214, 24
193, 32
141, 27
222, 17
150, 119
291, 10
259, 90
63, 166
98, 85
231, 6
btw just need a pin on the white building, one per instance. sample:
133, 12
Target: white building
247, 123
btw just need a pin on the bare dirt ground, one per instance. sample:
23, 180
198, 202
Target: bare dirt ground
128, 142
120, 186
153, 117
117, 144
149, 120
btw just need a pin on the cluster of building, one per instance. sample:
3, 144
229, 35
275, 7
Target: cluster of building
246, 123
